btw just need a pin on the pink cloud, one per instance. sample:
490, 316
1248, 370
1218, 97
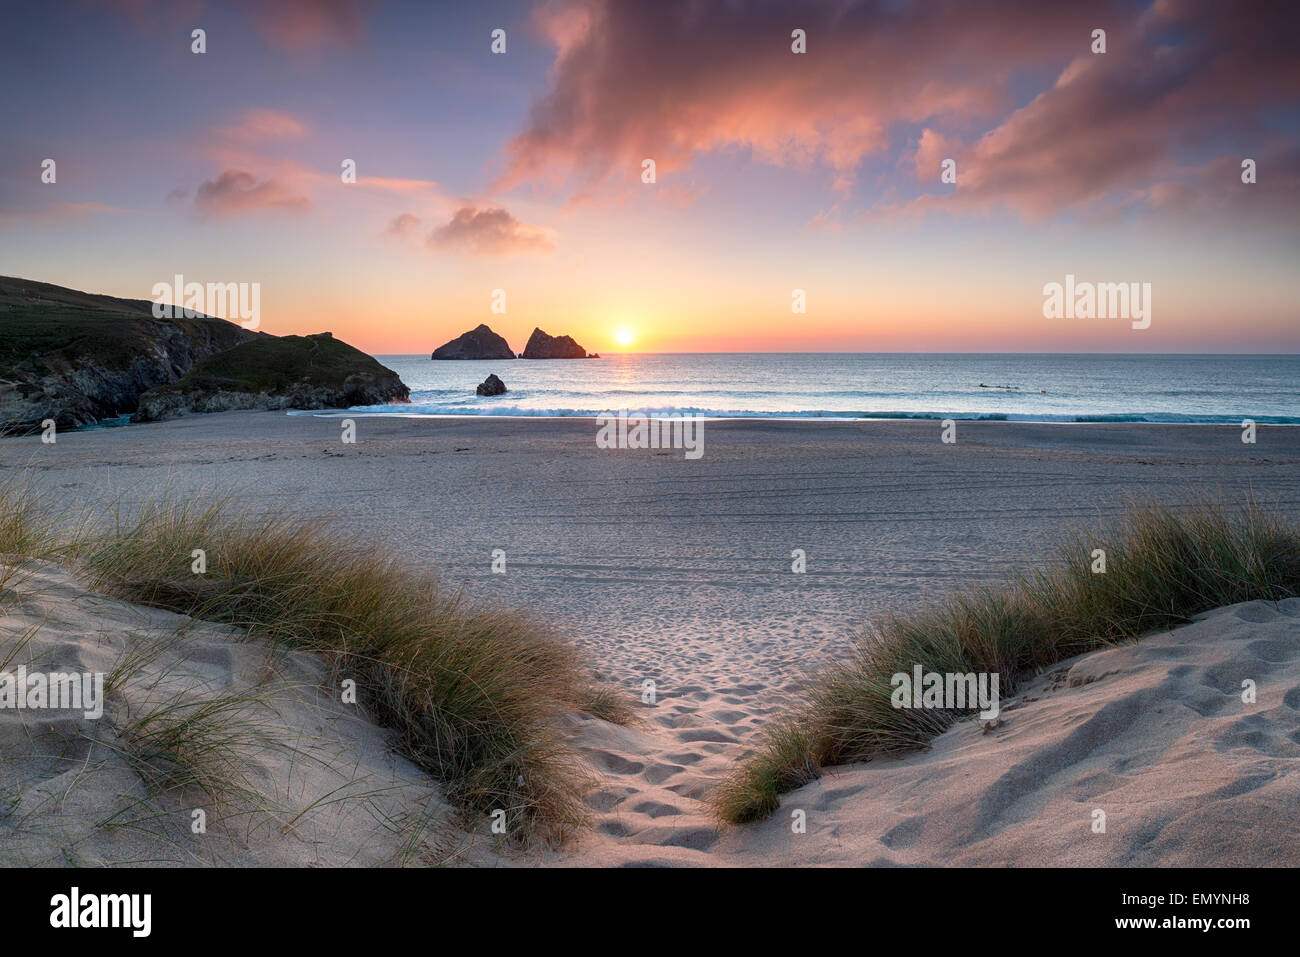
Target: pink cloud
402, 224
1183, 84
304, 24
59, 212
292, 25
492, 232
672, 80
1110, 135
265, 140
931, 152
238, 191
404, 187
258, 126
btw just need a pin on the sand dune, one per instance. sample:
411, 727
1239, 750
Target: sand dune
1154, 734
320, 787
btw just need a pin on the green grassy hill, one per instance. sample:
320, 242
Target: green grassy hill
78, 358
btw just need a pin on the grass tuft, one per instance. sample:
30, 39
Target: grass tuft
200, 742
1162, 569
27, 529
474, 693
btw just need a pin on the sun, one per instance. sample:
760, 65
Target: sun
624, 336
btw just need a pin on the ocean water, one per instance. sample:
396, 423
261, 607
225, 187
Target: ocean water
1023, 387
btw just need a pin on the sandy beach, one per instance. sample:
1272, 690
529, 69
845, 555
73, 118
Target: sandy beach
459, 457
679, 572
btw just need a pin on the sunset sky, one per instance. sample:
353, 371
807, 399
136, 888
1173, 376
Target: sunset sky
775, 170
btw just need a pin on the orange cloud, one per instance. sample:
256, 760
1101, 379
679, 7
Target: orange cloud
406, 187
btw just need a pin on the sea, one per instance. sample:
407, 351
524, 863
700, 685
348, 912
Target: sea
1013, 387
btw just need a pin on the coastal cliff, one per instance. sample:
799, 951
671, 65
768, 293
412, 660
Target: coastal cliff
77, 357
277, 372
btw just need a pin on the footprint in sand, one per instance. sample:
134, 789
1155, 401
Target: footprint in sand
656, 809
615, 763
659, 773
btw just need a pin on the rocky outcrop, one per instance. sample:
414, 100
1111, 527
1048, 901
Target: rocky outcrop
277, 372
479, 343
492, 386
542, 346
77, 357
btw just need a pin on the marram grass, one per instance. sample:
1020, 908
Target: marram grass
26, 528
1162, 569
475, 694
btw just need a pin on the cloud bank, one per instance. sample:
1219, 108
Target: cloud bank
1039, 124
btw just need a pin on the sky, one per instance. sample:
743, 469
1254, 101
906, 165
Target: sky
774, 170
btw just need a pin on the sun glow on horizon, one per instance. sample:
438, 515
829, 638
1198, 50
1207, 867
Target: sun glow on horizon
624, 336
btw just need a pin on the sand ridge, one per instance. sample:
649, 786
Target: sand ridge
321, 785
1153, 734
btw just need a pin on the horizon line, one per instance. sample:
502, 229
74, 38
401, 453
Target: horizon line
904, 352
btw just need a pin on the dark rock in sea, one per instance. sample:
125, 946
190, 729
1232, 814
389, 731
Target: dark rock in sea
542, 346
277, 372
479, 343
492, 386
77, 357
593, 355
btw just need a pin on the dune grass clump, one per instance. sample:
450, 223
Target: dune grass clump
27, 529
1162, 569
201, 742
475, 694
